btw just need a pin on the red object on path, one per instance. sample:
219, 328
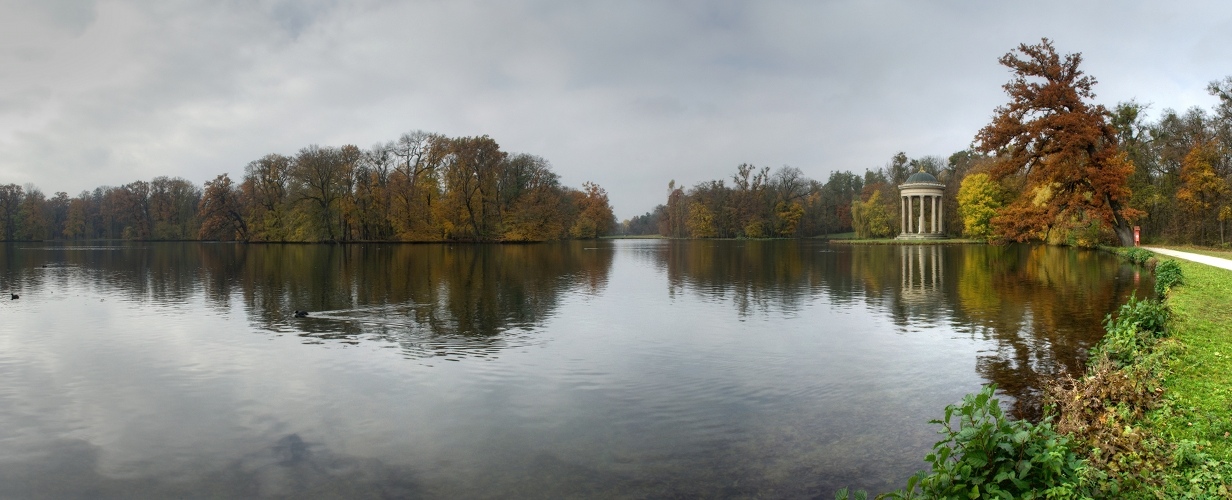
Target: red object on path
1137, 234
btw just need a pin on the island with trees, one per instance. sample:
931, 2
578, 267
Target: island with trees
422, 187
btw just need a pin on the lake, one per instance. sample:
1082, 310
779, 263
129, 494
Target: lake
596, 369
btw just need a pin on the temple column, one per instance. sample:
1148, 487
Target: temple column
902, 220
920, 229
936, 219
942, 226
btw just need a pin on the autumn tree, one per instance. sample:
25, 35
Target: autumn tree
34, 216
173, 208
372, 194
470, 171
870, 218
700, 221
979, 198
595, 216
415, 183
58, 209
1203, 192
10, 208
130, 206
748, 200
77, 218
266, 190
672, 225
221, 210
530, 200
1058, 147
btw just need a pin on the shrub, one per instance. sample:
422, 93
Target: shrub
984, 454
1133, 332
1137, 255
1167, 275
1150, 316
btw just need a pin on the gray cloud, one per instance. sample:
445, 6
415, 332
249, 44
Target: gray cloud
627, 94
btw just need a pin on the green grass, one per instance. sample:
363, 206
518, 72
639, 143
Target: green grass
1199, 387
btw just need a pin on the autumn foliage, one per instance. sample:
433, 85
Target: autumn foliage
1058, 148
422, 187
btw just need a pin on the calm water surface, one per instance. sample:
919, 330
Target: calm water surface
625, 369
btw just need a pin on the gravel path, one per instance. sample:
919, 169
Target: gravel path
1204, 259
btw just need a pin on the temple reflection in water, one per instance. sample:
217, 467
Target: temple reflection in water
922, 273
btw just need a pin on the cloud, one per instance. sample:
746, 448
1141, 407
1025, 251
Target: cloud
627, 94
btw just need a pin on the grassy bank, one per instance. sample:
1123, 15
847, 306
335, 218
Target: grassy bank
891, 241
1169, 402
1198, 387
1151, 417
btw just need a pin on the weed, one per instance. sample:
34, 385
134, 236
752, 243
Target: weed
984, 454
1137, 255
1167, 275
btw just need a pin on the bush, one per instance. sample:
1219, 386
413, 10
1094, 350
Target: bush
1167, 275
986, 455
1137, 255
1150, 316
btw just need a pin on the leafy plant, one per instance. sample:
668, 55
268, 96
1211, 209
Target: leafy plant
1167, 275
984, 454
1149, 316
843, 494
1137, 255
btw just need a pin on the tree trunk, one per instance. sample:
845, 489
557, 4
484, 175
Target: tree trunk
1125, 233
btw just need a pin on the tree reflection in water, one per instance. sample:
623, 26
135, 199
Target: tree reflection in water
431, 300
1040, 306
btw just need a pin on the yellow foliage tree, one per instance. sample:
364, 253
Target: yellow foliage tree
701, 221
870, 218
1202, 189
789, 215
979, 198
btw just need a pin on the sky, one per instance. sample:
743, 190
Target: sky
628, 94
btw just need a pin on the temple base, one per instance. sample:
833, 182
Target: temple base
922, 236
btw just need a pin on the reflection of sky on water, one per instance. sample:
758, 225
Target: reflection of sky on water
642, 368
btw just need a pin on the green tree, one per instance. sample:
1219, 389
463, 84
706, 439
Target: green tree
979, 199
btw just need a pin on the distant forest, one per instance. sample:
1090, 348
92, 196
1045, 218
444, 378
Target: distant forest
421, 187
1050, 167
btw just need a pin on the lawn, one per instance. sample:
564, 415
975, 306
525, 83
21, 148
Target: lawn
1199, 387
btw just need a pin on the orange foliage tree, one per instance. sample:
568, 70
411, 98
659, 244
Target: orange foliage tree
1059, 147
595, 216
1203, 190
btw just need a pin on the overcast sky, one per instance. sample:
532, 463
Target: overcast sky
627, 94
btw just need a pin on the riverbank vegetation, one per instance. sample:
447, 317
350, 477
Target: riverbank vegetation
1150, 418
421, 187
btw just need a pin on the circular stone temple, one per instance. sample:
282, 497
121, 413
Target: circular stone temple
922, 191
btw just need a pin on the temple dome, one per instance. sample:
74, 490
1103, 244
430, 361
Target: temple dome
921, 177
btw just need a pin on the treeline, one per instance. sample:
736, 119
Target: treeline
1182, 176
1051, 166
421, 187
760, 203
